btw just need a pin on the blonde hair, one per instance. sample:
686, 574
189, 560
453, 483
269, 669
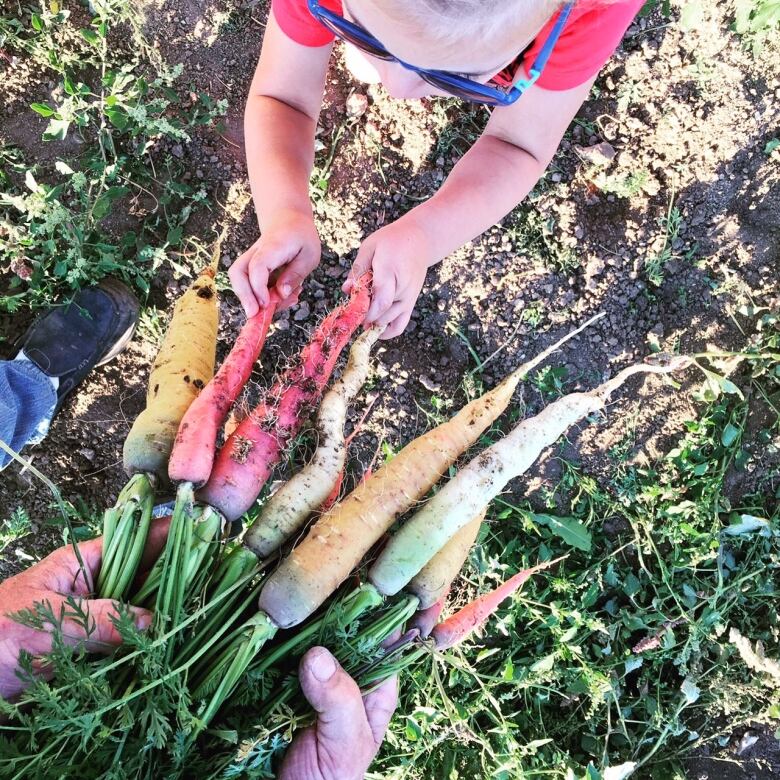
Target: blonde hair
448, 20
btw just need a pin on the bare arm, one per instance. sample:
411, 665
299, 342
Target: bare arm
487, 183
280, 120
500, 169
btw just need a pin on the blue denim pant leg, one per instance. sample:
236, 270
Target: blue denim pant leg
27, 401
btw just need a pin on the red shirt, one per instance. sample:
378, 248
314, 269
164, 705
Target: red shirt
590, 36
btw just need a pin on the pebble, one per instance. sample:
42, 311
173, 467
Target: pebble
430, 384
357, 104
303, 312
88, 453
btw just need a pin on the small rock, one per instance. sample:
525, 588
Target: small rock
357, 104
303, 312
88, 453
430, 384
177, 151
600, 155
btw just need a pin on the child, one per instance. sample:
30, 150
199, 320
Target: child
473, 49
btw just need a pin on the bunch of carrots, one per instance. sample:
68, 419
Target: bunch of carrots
232, 612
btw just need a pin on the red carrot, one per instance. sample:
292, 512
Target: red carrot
458, 626
248, 457
196, 440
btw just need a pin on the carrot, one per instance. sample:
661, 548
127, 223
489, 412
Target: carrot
475, 485
247, 458
342, 536
425, 619
434, 579
458, 626
196, 439
184, 364
287, 510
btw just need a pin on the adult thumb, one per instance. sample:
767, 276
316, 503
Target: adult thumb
335, 697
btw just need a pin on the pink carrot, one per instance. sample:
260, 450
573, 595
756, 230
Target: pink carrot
458, 626
249, 455
196, 440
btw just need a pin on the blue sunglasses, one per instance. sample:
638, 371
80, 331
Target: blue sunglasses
459, 86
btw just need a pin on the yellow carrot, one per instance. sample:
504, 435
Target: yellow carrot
184, 365
435, 578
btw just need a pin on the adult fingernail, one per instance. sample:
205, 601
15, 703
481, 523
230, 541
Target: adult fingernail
322, 665
285, 290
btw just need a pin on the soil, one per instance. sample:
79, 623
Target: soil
752, 753
678, 120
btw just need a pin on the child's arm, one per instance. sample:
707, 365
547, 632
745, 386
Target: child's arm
279, 125
486, 184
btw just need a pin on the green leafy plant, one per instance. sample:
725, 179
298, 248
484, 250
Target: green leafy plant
64, 235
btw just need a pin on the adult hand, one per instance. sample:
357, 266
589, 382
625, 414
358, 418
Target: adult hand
284, 255
399, 256
350, 727
51, 582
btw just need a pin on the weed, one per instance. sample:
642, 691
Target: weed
655, 264
533, 314
622, 185
756, 20
549, 381
531, 233
61, 228
151, 326
14, 528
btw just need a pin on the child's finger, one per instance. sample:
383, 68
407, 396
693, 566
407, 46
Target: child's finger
396, 318
239, 280
258, 280
383, 291
291, 300
295, 272
363, 263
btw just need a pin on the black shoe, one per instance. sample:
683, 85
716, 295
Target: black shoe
69, 341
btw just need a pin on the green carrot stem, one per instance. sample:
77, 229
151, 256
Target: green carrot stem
213, 629
170, 595
343, 612
132, 559
258, 630
115, 553
126, 528
394, 664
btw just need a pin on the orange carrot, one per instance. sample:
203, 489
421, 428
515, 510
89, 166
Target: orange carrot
458, 626
196, 440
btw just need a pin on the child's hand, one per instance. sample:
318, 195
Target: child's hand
291, 247
398, 256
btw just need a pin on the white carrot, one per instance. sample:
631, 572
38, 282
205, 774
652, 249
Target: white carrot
288, 508
475, 485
